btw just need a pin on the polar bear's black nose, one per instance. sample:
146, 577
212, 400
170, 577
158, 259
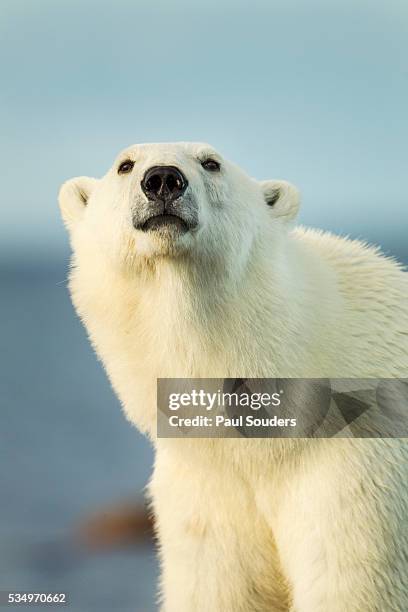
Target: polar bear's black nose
164, 183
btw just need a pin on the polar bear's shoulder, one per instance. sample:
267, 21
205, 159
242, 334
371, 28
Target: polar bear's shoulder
374, 290
350, 256
370, 281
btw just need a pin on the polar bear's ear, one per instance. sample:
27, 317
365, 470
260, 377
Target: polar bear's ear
282, 197
73, 197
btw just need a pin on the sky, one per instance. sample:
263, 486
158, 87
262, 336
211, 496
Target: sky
313, 92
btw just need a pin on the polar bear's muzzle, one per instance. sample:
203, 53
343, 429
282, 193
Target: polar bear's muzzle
169, 206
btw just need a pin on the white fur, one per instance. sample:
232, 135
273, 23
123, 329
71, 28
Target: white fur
249, 525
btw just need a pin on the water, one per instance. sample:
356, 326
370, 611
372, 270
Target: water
66, 450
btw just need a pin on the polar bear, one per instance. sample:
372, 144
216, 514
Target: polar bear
183, 266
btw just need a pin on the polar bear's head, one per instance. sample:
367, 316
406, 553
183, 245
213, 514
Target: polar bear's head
171, 201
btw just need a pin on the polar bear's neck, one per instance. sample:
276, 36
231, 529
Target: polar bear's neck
194, 319
184, 319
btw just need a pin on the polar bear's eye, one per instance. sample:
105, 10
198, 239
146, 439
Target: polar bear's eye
126, 166
211, 165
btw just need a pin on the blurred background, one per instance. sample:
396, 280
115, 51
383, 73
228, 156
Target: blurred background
313, 92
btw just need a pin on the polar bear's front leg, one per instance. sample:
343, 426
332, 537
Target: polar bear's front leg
216, 554
197, 576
